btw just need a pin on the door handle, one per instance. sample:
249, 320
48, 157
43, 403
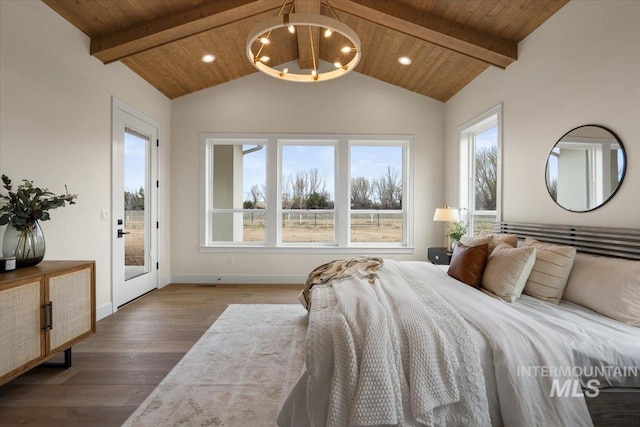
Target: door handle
122, 233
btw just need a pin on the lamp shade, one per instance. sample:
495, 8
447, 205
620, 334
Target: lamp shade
446, 214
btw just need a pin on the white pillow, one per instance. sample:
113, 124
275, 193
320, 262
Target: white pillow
550, 272
507, 270
610, 286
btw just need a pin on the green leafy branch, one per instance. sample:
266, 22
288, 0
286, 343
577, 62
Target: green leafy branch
457, 230
29, 203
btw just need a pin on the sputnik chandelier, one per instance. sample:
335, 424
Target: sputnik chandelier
259, 43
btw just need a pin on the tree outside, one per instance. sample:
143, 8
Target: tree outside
384, 192
486, 184
134, 200
307, 190
486, 178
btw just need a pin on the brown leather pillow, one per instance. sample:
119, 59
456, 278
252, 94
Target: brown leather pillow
467, 264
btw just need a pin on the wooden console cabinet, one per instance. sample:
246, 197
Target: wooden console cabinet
44, 310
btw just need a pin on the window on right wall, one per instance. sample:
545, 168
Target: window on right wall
480, 166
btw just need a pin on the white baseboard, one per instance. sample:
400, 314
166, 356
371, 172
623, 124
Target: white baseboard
248, 279
104, 310
164, 281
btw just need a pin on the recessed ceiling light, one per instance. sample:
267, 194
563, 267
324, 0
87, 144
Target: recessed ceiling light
404, 60
208, 58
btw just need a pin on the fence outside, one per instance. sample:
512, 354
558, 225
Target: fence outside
312, 227
134, 241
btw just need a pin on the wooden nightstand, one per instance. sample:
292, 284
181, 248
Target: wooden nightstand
439, 256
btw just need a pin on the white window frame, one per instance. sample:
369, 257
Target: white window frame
599, 163
466, 164
342, 209
407, 189
206, 188
328, 142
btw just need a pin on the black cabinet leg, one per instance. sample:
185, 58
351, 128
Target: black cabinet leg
67, 358
66, 364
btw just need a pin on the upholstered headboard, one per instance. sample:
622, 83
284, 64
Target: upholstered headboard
608, 241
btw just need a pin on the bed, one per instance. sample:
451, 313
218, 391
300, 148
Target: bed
411, 345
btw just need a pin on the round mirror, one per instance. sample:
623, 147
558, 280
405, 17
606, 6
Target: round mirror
585, 168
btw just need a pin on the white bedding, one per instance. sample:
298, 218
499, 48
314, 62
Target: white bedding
394, 356
599, 343
570, 336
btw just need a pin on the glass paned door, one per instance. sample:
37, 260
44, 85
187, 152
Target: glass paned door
137, 153
134, 204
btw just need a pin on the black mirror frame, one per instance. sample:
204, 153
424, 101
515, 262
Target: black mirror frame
613, 193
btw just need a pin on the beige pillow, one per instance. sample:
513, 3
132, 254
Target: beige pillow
610, 286
507, 270
550, 272
510, 239
477, 241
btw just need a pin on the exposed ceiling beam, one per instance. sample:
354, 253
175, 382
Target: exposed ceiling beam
308, 35
433, 29
166, 29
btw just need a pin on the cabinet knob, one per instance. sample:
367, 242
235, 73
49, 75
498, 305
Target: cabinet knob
437, 256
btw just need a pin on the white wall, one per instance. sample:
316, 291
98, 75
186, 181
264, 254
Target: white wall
258, 103
582, 66
55, 129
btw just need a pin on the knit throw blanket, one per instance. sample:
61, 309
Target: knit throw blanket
377, 353
365, 266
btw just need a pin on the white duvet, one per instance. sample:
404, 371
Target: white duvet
377, 354
517, 342
512, 338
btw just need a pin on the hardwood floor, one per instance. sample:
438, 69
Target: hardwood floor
115, 370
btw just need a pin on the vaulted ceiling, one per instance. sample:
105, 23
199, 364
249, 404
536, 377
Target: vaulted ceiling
450, 42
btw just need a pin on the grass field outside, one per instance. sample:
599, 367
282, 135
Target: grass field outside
300, 227
134, 241
320, 227
296, 228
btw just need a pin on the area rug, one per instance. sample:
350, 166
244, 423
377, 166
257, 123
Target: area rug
237, 374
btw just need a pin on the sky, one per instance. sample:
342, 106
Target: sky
134, 162
487, 138
368, 161
255, 169
297, 158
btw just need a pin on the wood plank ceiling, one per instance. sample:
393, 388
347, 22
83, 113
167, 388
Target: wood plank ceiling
450, 42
